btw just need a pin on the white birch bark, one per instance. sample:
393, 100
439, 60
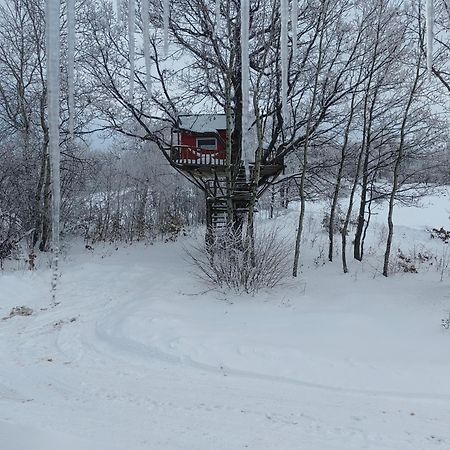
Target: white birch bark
284, 59
53, 97
294, 29
119, 10
166, 17
430, 34
71, 64
217, 13
131, 44
245, 82
146, 43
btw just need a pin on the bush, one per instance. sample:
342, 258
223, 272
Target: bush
172, 226
230, 261
11, 234
445, 323
339, 220
442, 234
405, 263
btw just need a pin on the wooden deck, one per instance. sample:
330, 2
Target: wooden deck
196, 160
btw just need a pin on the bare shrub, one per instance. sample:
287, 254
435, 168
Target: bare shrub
423, 259
172, 226
441, 233
339, 220
19, 311
403, 263
232, 262
445, 323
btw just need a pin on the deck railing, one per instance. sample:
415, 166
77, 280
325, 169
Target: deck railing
190, 155
186, 154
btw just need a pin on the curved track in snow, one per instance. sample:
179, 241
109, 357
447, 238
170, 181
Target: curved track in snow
111, 339
126, 360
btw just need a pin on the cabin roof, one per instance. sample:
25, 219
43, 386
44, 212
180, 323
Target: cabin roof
203, 123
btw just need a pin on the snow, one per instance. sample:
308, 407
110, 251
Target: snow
432, 212
245, 82
140, 354
203, 123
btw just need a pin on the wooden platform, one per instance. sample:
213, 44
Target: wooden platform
208, 164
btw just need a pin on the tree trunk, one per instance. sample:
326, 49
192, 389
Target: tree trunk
272, 202
397, 167
302, 193
45, 237
348, 216
337, 187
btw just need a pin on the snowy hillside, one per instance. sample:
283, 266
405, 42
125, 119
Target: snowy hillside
139, 354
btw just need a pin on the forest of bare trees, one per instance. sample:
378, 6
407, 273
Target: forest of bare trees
366, 122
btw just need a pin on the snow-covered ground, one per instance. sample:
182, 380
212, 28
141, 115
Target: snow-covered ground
141, 355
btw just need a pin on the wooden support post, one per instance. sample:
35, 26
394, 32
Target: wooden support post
209, 237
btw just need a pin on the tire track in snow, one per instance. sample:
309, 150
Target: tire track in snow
110, 332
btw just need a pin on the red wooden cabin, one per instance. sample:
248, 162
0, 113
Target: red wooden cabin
201, 139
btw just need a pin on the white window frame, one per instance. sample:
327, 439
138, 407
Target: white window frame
208, 147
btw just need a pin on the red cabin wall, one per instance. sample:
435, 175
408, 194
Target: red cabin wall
190, 140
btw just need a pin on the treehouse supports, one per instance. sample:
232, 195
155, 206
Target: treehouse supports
204, 154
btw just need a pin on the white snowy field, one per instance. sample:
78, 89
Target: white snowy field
138, 354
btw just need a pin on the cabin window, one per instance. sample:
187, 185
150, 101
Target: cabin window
207, 143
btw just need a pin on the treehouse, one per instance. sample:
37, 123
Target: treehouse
199, 151
200, 140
